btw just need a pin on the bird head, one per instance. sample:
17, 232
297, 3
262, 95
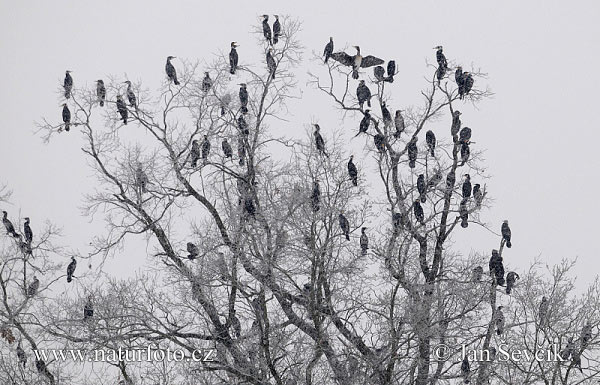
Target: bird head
316, 126
243, 85
363, 229
26, 219
357, 48
100, 81
459, 68
170, 57
467, 176
194, 142
505, 221
438, 47
128, 82
544, 299
457, 113
68, 72
362, 83
205, 73
234, 44
64, 104
276, 17
351, 157
265, 17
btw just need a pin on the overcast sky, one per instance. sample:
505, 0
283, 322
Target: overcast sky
540, 131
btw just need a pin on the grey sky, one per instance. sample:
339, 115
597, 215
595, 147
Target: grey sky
540, 131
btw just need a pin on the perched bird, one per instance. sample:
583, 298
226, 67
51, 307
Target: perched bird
122, 108
206, 83
205, 148
88, 309
195, 153
141, 179
455, 124
243, 98
466, 187
10, 229
440, 57
440, 73
353, 171
315, 197
477, 273
241, 150
465, 153
33, 287
66, 116
477, 194
467, 83
242, 125
68, 84
21, 355
357, 61
418, 210
465, 135
227, 151
391, 71
385, 114
450, 180
499, 321
27, 231
328, 49
412, 152
23, 246
566, 353
363, 94
233, 58
379, 73
458, 76
506, 234
100, 92
430, 139
364, 241
379, 140
364, 123
399, 123
192, 250
271, 65
170, 70
422, 188
249, 206
319, 142
497, 268
586, 335
543, 311
131, 95
276, 30
267, 29
464, 214
465, 369
71, 269
511, 279
345, 226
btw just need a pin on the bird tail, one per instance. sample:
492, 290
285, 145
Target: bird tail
347, 236
423, 198
499, 332
67, 126
432, 153
67, 94
101, 103
464, 224
411, 164
176, 81
508, 244
355, 181
508, 289
354, 74
232, 70
69, 279
369, 102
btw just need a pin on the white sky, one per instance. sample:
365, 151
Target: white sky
540, 130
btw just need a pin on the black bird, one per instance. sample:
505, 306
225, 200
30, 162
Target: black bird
243, 125
364, 241
566, 353
353, 171
226, 149
477, 194
344, 225
466, 187
586, 335
267, 29
385, 114
243, 98
122, 108
499, 321
363, 94
455, 124
379, 140
241, 150
271, 65
319, 142
315, 197
543, 311
412, 152
66, 116
477, 273
71, 269
464, 214
511, 279
440, 73
441, 58
206, 83
68, 84
233, 58
170, 70
88, 309
40, 365
465, 369
399, 123
465, 153
465, 135
249, 206
422, 188
391, 71
205, 148
276, 30
195, 153
458, 76
450, 180
364, 123
33, 287
131, 95
100, 92
192, 250
23, 246
328, 49
467, 83
430, 139
10, 229
21, 354
357, 61
27, 231
418, 210
505, 229
497, 267
379, 73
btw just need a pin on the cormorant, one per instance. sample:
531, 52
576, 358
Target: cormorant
71, 269
66, 116
192, 250
271, 65
315, 197
226, 149
455, 124
391, 71
412, 152
464, 214
357, 61
100, 92
68, 84
430, 139
21, 354
566, 353
422, 188
477, 194
450, 180
195, 153
88, 309
497, 267
364, 123
477, 273
364, 241
33, 287
122, 108
379, 140
441, 58
243, 98
205, 148
266, 29
276, 30
319, 142
465, 152
543, 311
243, 125
466, 187
328, 49
586, 335
170, 70
141, 179
10, 229
499, 321
40, 365
363, 94
353, 171
506, 233
385, 114
241, 150
344, 225
23, 246
206, 83
233, 58
131, 95
27, 231
465, 369
418, 210
467, 83
399, 123
379, 73
249, 206
440, 73
511, 279
465, 135
458, 76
